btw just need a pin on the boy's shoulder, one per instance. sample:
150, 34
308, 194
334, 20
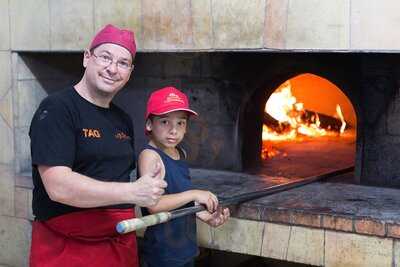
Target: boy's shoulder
148, 153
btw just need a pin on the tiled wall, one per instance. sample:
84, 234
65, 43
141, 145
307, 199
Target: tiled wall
204, 24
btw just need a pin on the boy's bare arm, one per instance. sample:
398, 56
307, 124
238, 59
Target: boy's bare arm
149, 158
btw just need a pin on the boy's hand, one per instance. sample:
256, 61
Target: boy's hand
206, 198
214, 219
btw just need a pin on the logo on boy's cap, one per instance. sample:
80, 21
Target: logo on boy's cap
172, 97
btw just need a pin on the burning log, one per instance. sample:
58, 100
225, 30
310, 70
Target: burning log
326, 121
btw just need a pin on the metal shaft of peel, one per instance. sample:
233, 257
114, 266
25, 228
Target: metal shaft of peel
146, 221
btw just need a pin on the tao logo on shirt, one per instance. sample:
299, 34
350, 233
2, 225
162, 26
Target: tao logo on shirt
91, 133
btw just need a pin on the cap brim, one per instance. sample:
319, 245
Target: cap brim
177, 109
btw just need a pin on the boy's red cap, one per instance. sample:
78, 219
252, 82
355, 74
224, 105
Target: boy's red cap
167, 99
114, 35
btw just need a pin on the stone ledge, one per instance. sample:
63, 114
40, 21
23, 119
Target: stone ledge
336, 222
317, 247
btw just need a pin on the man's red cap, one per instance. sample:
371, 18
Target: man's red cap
114, 35
167, 99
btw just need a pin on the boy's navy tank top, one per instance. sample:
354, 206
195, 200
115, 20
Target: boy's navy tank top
173, 243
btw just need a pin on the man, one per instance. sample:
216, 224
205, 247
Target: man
82, 155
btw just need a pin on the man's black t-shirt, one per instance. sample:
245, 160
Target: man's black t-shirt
67, 130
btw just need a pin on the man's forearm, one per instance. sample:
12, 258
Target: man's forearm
68, 187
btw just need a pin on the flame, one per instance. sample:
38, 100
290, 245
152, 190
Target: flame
293, 120
340, 115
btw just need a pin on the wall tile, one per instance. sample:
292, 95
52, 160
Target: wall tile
369, 227
396, 254
4, 25
306, 245
15, 236
28, 95
233, 25
6, 130
241, 236
22, 204
121, 13
162, 28
275, 23
6, 187
345, 249
337, 223
30, 30
6, 109
72, 24
22, 150
307, 219
5, 72
202, 24
393, 230
204, 234
275, 241
374, 24
318, 24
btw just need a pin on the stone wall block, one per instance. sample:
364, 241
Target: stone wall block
15, 236
4, 25
30, 25
374, 24
275, 241
72, 24
370, 227
29, 94
275, 24
306, 245
5, 72
233, 27
204, 234
22, 204
314, 24
121, 13
337, 223
202, 24
7, 184
345, 249
22, 150
6, 130
241, 236
163, 29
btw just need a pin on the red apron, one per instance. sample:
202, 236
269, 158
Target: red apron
82, 239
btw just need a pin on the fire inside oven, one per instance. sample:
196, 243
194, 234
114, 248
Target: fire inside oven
307, 122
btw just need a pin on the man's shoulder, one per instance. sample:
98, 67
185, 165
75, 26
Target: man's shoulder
61, 97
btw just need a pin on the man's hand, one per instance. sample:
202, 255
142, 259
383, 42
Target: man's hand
149, 188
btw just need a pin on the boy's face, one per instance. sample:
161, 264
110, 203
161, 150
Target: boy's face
168, 130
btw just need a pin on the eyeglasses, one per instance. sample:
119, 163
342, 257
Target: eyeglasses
106, 60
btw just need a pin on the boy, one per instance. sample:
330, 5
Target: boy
173, 243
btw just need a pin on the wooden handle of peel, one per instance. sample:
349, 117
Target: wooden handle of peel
131, 225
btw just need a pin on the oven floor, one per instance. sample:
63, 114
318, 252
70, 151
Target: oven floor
309, 157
